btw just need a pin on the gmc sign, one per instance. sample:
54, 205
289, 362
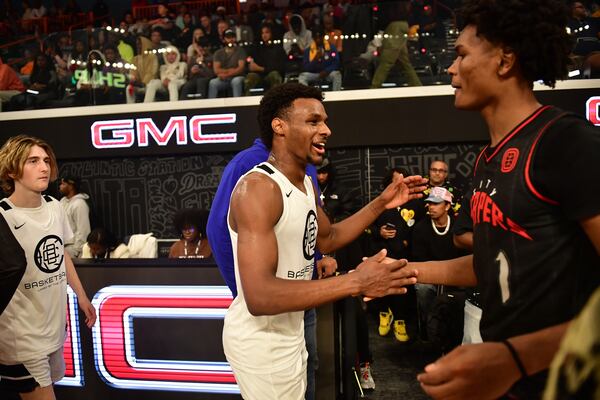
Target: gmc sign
121, 133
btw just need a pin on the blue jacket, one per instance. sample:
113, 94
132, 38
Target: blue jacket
330, 62
217, 229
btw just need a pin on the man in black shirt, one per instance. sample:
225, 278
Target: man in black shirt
267, 62
535, 211
432, 240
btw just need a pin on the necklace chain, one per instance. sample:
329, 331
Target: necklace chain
185, 250
445, 230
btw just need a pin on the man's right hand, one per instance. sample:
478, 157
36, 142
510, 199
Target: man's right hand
379, 276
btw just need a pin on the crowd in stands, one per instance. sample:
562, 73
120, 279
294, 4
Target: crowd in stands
215, 52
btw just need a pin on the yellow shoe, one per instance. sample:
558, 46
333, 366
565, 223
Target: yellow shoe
385, 322
400, 331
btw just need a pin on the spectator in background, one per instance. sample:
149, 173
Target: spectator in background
103, 244
157, 40
101, 13
79, 53
172, 76
321, 62
77, 211
229, 65
338, 202
146, 69
586, 32
163, 22
38, 10
222, 26
10, 83
210, 33
392, 233
191, 225
181, 17
92, 85
243, 31
297, 39
29, 55
193, 50
43, 84
135, 27
271, 19
266, 64
334, 35
184, 37
432, 241
394, 49
438, 177
200, 70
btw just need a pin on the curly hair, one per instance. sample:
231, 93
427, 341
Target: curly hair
535, 30
13, 155
276, 103
195, 217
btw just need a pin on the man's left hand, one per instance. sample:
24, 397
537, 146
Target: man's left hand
474, 371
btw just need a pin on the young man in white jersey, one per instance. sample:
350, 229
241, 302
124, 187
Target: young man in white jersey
34, 272
275, 225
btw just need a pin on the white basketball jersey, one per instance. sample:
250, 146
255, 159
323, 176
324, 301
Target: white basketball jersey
32, 324
274, 342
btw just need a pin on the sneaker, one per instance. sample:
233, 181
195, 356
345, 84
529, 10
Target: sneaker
365, 378
400, 331
385, 322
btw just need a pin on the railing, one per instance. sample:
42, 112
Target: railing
194, 7
18, 42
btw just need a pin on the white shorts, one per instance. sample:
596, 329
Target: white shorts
25, 377
288, 384
471, 324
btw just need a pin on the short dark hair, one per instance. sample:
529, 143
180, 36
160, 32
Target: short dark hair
72, 180
535, 30
276, 102
104, 238
389, 177
195, 217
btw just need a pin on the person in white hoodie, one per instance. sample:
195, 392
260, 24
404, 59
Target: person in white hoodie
298, 38
78, 213
172, 76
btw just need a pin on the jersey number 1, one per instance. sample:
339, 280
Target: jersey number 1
503, 274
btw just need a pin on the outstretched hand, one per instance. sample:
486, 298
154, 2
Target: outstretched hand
380, 278
475, 371
403, 189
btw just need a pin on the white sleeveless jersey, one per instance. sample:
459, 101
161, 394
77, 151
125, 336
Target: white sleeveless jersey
33, 321
274, 342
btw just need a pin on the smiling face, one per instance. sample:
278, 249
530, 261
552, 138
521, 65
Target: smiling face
305, 129
474, 72
36, 171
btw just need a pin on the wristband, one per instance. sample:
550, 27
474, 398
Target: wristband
515, 357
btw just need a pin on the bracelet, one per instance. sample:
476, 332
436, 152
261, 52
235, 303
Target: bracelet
515, 357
